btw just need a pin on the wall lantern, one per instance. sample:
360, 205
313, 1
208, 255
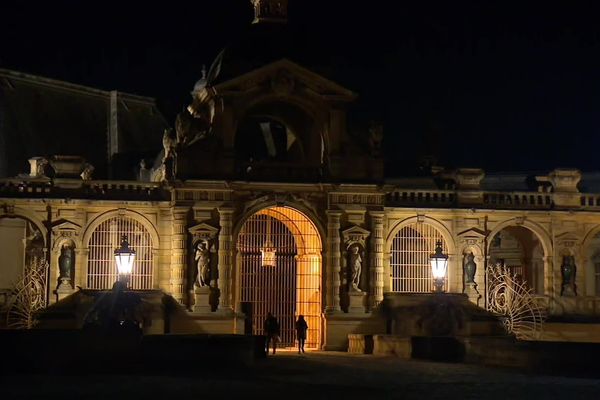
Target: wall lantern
439, 266
124, 256
268, 257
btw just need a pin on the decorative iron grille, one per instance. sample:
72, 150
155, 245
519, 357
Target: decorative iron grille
102, 269
290, 287
411, 250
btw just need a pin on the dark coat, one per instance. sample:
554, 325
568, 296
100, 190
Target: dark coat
301, 328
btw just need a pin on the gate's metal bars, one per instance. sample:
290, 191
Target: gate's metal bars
102, 271
292, 286
411, 249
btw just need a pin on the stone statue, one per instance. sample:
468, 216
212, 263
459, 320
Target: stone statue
375, 138
65, 263
470, 268
88, 170
169, 160
355, 268
202, 258
568, 271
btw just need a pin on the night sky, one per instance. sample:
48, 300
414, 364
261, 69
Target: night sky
499, 85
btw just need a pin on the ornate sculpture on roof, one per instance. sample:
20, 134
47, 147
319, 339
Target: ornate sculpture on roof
270, 10
194, 122
37, 167
88, 170
169, 160
375, 138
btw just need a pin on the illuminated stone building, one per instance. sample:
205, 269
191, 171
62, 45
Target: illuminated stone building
260, 197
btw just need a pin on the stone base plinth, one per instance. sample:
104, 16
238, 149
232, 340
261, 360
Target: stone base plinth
356, 303
473, 294
392, 345
202, 299
360, 343
338, 325
63, 290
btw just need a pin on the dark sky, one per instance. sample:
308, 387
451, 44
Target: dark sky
497, 84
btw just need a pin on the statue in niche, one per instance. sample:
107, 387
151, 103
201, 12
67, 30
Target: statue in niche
568, 270
65, 263
202, 258
355, 267
470, 267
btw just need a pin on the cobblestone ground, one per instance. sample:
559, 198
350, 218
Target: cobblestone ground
312, 376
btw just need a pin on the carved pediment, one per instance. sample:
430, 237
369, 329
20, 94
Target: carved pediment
355, 234
203, 231
283, 77
65, 229
65, 226
567, 239
472, 236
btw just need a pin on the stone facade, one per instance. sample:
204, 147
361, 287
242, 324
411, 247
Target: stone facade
208, 183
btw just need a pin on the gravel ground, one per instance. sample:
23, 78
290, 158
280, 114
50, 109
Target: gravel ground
311, 376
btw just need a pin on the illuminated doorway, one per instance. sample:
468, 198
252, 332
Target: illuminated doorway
279, 262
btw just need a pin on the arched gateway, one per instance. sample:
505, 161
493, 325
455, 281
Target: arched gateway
279, 266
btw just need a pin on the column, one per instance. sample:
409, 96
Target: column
376, 277
178, 244
333, 261
551, 275
225, 258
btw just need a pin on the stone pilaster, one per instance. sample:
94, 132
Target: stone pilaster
225, 258
552, 277
332, 298
376, 278
178, 250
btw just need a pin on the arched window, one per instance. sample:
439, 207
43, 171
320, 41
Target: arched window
102, 270
411, 250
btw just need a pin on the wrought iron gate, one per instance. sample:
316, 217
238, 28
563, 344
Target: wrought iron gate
280, 272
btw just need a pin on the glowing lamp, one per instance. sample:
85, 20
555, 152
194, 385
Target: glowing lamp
439, 266
124, 256
268, 256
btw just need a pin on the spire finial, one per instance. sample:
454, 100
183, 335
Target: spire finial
270, 11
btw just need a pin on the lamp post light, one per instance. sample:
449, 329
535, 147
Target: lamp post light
124, 256
439, 266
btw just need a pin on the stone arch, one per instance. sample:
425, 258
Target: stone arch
591, 258
545, 242
541, 233
444, 231
299, 116
302, 266
15, 248
142, 219
30, 216
454, 271
148, 265
272, 202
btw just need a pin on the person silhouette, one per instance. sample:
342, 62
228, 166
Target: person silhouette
301, 328
271, 331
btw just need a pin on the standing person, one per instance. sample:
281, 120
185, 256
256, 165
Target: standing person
301, 328
271, 331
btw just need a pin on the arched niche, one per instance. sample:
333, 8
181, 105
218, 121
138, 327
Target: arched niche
21, 239
410, 243
279, 270
591, 260
520, 249
278, 132
103, 234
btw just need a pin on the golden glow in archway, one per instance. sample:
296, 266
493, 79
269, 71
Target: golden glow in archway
290, 287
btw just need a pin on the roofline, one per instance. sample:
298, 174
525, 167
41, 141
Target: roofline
58, 84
